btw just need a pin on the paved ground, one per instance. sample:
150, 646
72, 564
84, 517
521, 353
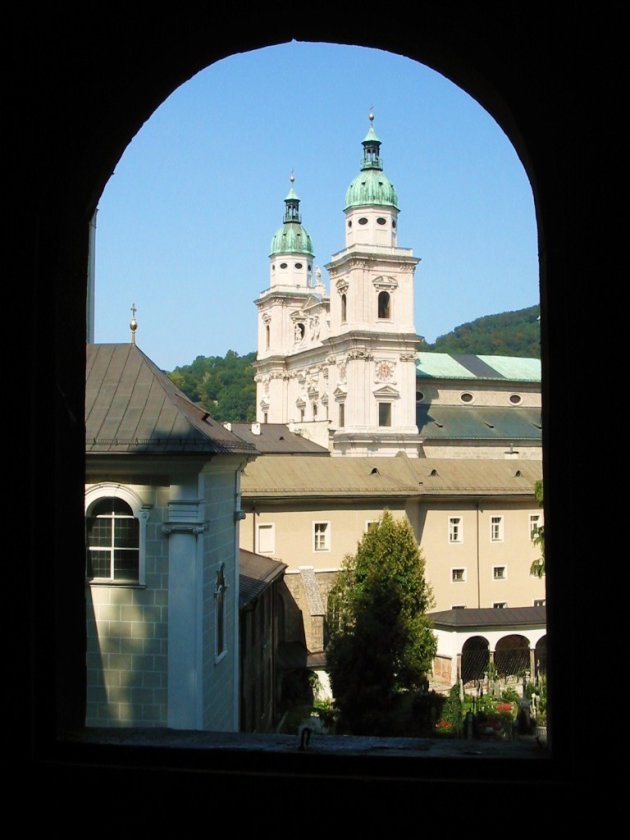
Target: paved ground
521, 747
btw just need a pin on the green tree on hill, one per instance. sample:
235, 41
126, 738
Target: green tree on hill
506, 334
225, 387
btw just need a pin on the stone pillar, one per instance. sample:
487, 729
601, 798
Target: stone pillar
185, 683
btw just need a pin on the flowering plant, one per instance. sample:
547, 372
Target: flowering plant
444, 727
505, 710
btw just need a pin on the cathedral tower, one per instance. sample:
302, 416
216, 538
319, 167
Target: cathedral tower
372, 333
292, 320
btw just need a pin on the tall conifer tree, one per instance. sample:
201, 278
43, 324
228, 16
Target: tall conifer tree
380, 638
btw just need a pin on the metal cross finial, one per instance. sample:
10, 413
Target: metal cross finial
133, 324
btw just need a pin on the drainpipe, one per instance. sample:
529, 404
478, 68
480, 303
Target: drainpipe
478, 562
254, 528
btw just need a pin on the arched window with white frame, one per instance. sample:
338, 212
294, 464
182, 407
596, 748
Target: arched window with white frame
115, 532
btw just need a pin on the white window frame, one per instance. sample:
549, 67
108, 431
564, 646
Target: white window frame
140, 511
461, 579
456, 530
497, 526
321, 537
270, 528
499, 577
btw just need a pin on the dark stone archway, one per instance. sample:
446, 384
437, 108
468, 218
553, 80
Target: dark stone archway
78, 85
511, 655
475, 659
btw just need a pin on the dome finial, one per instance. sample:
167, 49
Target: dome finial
292, 177
133, 324
371, 114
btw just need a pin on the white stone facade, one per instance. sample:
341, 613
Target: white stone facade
153, 653
343, 356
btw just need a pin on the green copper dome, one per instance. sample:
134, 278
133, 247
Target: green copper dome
371, 186
292, 237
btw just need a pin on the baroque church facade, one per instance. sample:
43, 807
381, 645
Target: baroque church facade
345, 368
341, 366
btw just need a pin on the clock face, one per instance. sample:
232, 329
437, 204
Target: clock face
384, 370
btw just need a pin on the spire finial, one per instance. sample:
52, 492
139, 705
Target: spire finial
133, 324
371, 114
292, 177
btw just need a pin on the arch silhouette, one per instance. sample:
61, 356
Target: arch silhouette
76, 103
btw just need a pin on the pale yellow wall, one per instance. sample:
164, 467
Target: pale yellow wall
482, 451
477, 554
294, 532
484, 393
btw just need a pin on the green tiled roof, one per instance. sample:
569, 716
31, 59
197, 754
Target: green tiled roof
463, 366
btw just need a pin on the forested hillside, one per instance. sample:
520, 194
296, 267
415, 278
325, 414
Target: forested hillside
226, 388
508, 334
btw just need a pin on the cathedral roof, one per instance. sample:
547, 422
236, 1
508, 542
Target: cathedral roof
467, 366
479, 422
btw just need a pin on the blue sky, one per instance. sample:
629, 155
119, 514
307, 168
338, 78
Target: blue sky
186, 220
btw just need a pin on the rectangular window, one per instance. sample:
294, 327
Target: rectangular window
540, 602
384, 414
342, 415
458, 607
266, 538
371, 523
455, 529
321, 536
499, 605
496, 528
458, 575
499, 572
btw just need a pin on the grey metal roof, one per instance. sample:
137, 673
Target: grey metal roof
489, 617
132, 407
304, 476
466, 366
475, 476
256, 574
468, 422
307, 475
276, 438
